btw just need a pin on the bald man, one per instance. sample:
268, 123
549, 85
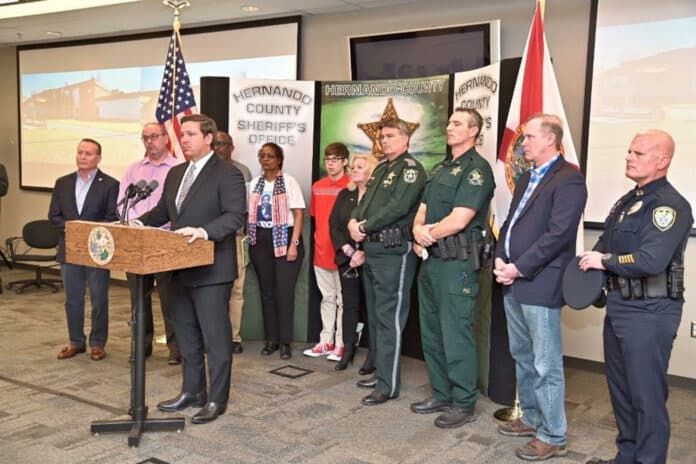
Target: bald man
642, 252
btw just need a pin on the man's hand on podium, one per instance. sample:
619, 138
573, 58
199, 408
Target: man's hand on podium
193, 232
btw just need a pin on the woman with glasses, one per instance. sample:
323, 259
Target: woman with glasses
276, 211
349, 256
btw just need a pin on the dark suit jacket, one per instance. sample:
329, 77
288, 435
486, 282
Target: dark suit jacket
217, 203
100, 204
542, 240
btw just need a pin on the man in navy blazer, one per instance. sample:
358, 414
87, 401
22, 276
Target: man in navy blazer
203, 199
88, 195
536, 242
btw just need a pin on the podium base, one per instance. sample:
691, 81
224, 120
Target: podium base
508, 414
136, 427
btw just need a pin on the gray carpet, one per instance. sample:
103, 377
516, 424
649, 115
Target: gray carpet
47, 405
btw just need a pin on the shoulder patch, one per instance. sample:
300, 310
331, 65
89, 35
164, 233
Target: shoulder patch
410, 175
476, 177
664, 217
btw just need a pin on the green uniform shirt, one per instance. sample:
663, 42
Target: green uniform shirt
393, 194
463, 182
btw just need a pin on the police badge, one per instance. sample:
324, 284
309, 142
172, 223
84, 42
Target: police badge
410, 176
664, 217
476, 177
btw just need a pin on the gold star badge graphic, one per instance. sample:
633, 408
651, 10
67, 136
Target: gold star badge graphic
374, 129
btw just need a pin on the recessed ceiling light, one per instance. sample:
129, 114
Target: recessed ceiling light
54, 33
250, 8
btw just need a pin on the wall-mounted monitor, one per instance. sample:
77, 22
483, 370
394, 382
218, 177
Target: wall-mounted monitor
424, 52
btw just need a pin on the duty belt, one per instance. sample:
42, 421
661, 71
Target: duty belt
654, 286
402, 232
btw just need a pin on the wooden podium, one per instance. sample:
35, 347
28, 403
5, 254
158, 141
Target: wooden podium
138, 250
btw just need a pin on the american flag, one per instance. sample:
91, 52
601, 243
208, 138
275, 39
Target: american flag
176, 98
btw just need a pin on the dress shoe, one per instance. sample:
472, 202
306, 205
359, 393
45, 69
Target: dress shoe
183, 401
368, 366
454, 417
429, 406
69, 351
98, 353
367, 383
174, 358
285, 351
376, 397
269, 349
209, 412
237, 348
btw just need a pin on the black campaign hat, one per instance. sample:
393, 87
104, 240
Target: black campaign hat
582, 288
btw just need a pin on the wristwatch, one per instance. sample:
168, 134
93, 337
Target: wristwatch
605, 258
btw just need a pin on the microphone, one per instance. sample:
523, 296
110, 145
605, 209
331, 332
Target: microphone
131, 191
146, 190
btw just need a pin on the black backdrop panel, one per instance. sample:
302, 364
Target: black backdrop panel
215, 101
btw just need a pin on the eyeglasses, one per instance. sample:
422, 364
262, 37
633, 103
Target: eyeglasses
267, 155
332, 159
151, 138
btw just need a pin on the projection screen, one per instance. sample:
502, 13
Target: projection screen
106, 90
643, 76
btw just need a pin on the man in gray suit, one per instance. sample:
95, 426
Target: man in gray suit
204, 199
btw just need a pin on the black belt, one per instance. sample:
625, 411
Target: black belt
406, 234
612, 282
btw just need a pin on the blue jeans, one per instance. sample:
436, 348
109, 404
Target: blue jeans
535, 344
76, 278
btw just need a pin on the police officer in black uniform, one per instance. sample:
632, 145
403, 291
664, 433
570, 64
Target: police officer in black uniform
642, 251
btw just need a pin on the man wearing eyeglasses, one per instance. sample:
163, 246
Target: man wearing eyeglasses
224, 146
153, 166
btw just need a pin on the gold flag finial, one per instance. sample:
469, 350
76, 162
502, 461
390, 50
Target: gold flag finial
176, 5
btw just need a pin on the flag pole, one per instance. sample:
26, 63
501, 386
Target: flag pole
176, 5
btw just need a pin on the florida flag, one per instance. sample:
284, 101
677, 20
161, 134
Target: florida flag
536, 91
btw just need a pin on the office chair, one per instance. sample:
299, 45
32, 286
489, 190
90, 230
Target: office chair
36, 235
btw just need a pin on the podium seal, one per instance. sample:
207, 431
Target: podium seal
100, 244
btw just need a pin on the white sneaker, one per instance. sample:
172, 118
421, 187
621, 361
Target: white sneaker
320, 349
337, 354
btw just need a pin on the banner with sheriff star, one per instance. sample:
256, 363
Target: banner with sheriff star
351, 112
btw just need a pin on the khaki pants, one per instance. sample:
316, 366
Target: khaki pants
331, 306
237, 297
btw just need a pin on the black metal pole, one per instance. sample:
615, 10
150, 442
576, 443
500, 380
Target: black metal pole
138, 410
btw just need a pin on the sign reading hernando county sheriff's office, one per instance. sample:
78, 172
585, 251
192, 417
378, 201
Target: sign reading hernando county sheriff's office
479, 89
277, 111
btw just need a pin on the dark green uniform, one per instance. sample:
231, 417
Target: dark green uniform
447, 288
391, 200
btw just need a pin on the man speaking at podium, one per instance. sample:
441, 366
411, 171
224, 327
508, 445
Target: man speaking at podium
203, 199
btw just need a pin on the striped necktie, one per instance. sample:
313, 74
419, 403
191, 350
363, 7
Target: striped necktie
185, 186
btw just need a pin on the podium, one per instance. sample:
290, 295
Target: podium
138, 250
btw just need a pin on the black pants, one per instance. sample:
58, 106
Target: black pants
277, 280
163, 280
352, 293
638, 338
203, 327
